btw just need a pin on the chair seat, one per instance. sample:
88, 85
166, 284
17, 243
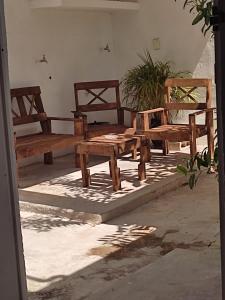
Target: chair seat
36, 144
96, 130
174, 132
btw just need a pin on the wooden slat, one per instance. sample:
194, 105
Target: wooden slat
30, 119
187, 82
20, 92
96, 85
187, 93
185, 106
39, 144
22, 107
97, 107
97, 96
14, 113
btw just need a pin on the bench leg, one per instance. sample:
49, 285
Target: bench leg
115, 174
48, 158
148, 150
86, 178
77, 158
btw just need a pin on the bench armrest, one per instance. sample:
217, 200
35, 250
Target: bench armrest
61, 119
79, 124
78, 114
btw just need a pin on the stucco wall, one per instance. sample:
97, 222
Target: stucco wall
72, 43
182, 44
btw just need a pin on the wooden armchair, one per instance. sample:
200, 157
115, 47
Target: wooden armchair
92, 88
98, 103
27, 108
182, 132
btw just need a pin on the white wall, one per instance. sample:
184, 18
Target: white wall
71, 41
181, 43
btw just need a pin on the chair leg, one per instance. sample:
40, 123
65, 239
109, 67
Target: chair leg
193, 146
210, 136
165, 147
211, 144
48, 158
134, 154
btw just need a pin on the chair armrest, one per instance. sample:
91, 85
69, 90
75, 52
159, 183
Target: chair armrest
145, 121
200, 112
152, 111
133, 116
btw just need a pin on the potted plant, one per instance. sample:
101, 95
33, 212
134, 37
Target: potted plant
144, 86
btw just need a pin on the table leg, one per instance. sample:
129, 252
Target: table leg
115, 173
86, 178
144, 157
134, 153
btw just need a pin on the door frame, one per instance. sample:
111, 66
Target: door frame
13, 278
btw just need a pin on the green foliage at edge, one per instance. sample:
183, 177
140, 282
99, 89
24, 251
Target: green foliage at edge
193, 167
202, 10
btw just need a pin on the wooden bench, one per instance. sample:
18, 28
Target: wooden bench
100, 102
182, 132
27, 108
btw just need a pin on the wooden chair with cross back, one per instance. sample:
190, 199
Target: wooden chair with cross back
27, 108
168, 131
100, 102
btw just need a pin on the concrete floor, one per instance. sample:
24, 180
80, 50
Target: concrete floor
58, 188
166, 249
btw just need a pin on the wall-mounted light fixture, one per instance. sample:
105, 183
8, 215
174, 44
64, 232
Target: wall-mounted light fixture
107, 48
43, 59
156, 44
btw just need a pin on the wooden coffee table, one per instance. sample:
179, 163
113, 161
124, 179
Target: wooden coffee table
113, 146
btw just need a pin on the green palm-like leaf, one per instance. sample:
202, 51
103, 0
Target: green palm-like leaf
143, 85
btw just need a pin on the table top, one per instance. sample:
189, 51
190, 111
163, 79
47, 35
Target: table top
113, 139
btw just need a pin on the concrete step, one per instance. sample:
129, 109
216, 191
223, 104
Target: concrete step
180, 275
57, 189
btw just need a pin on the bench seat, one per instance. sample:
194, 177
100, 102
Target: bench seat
37, 144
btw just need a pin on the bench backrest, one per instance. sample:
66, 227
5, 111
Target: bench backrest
27, 107
97, 89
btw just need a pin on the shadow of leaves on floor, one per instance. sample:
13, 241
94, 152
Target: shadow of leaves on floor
45, 223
